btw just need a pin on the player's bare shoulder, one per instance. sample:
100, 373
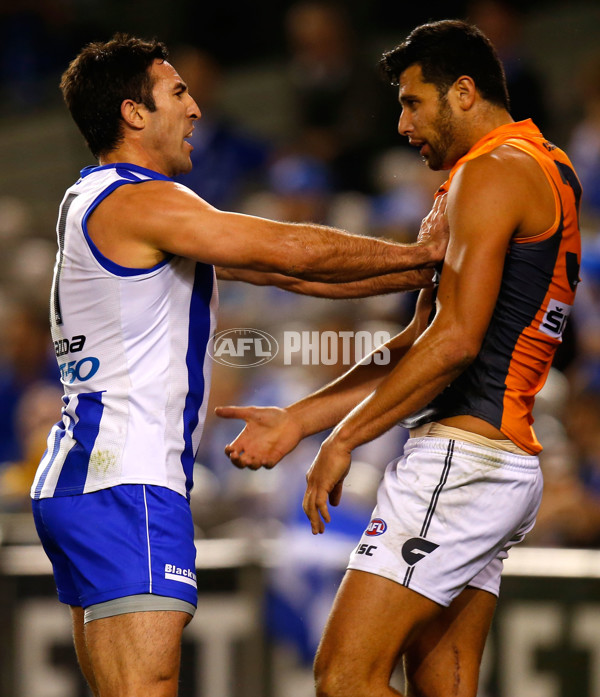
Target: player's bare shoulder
150, 197
143, 209
504, 167
507, 180
134, 224
490, 186
530, 184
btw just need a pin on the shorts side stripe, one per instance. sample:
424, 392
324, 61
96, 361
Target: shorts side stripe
148, 541
438, 489
432, 505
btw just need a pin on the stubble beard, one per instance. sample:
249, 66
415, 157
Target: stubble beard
445, 129
180, 165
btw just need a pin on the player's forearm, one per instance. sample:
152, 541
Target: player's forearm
378, 285
430, 366
367, 287
305, 251
328, 406
333, 256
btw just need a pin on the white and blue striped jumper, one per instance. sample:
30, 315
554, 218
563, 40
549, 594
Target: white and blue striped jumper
131, 347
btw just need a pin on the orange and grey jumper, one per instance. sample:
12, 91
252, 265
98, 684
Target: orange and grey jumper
538, 286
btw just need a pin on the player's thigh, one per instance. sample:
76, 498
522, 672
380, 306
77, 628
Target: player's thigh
136, 649
77, 616
372, 621
445, 657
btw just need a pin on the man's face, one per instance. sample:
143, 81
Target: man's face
172, 122
428, 120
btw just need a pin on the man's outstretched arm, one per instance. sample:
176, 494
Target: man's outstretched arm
433, 227
148, 220
367, 287
272, 432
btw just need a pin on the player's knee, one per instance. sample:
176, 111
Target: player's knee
157, 688
152, 683
441, 691
163, 683
329, 683
334, 678
333, 684
326, 676
443, 684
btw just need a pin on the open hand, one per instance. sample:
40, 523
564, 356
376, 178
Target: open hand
270, 434
435, 230
324, 482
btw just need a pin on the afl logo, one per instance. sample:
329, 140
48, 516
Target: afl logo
376, 527
243, 347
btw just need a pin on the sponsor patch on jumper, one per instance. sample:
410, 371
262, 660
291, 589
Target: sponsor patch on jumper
177, 573
555, 319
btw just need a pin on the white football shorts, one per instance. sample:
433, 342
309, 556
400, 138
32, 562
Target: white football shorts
447, 513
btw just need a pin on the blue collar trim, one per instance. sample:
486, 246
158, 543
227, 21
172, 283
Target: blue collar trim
127, 166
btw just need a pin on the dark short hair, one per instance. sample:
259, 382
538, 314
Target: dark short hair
100, 78
445, 50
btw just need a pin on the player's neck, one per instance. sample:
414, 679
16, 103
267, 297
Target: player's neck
489, 121
132, 153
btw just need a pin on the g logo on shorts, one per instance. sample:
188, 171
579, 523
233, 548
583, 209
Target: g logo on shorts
416, 548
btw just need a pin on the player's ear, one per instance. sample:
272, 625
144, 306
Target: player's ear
132, 115
465, 91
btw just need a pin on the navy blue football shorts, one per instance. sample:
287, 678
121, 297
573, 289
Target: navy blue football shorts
129, 540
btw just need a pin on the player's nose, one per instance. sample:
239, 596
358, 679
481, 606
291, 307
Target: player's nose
194, 110
404, 124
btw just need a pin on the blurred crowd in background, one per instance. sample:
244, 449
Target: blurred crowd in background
297, 125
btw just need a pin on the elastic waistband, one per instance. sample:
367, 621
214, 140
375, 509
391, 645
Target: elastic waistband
433, 429
491, 456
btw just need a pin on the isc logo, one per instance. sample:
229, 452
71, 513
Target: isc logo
376, 527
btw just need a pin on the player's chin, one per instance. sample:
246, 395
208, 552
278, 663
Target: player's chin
434, 163
184, 166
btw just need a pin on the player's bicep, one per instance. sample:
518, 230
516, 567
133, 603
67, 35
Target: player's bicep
176, 221
401, 343
484, 210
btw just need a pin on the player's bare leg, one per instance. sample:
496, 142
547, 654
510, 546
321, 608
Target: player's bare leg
136, 654
371, 623
444, 659
81, 648
375, 620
